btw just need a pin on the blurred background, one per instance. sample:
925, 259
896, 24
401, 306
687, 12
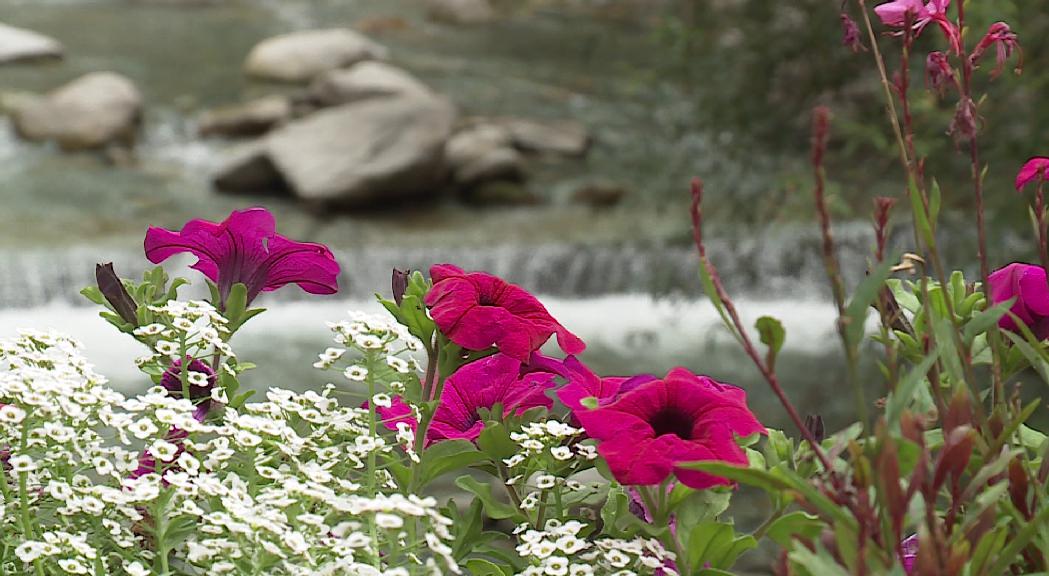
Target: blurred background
547, 141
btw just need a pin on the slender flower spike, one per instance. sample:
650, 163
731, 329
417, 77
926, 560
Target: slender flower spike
246, 248
1005, 42
648, 431
1034, 169
477, 310
898, 13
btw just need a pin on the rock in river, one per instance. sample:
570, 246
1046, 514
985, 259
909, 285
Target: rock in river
362, 81
460, 11
299, 57
21, 45
93, 111
374, 151
247, 119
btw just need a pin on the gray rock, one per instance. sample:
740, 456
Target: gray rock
563, 137
93, 111
21, 45
460, 11
362, 81
301, 56
364, 153
248, 170
483, 153
248, 119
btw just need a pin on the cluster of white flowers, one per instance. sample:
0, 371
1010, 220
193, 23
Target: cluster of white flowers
177, 329
93, 482
549, 454
563, 549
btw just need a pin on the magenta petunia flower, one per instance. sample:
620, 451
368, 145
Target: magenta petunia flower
647, 431
898, 12
1028, 285
477, 310
199, 394
398, 411
1034, 169
246, 248
497, 379
583, 383
909, 547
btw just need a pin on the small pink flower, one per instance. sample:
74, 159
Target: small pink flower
478, 310
1034, 169
583, 384
647, 431
938, 72
1005, 42
246, 248
910, 553
850, 34
398, 411
898, 13
1027, 284
494, 380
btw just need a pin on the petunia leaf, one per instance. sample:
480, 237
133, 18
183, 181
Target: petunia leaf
904, 392
984, 320
863, 298
494, 508
783, 529
236, 303
447, 456
495, 441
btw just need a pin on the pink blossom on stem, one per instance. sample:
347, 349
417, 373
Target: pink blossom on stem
1027, 284
939, 74
1034, 169
898, 13
1005, 42
850, 34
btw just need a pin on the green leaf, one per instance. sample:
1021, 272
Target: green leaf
715, 544
983, 321
496, 509
819, 563
93, 294
1033, 355
935, 200
495, 442
863, 298
783, 529
901, 397
236, 303
482, 567
772, 335
752, 477
445, 457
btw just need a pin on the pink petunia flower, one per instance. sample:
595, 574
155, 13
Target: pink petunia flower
398, 411
497, 379
583, 384
909, 546
200, 395
1034, 169
898, 13
245, 247
647, 431
478, 310
1027, 284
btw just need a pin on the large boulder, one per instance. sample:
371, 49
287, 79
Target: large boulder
301, 56
460, 11
482, 153
247, 119
21, 45
93, 111
365, 153
362, 81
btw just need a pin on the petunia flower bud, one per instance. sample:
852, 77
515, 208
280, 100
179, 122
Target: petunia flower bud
400, 284
113, 290
814, 423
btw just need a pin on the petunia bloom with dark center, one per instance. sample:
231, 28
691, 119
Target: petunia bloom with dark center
246, 248
478, 310
648, 430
